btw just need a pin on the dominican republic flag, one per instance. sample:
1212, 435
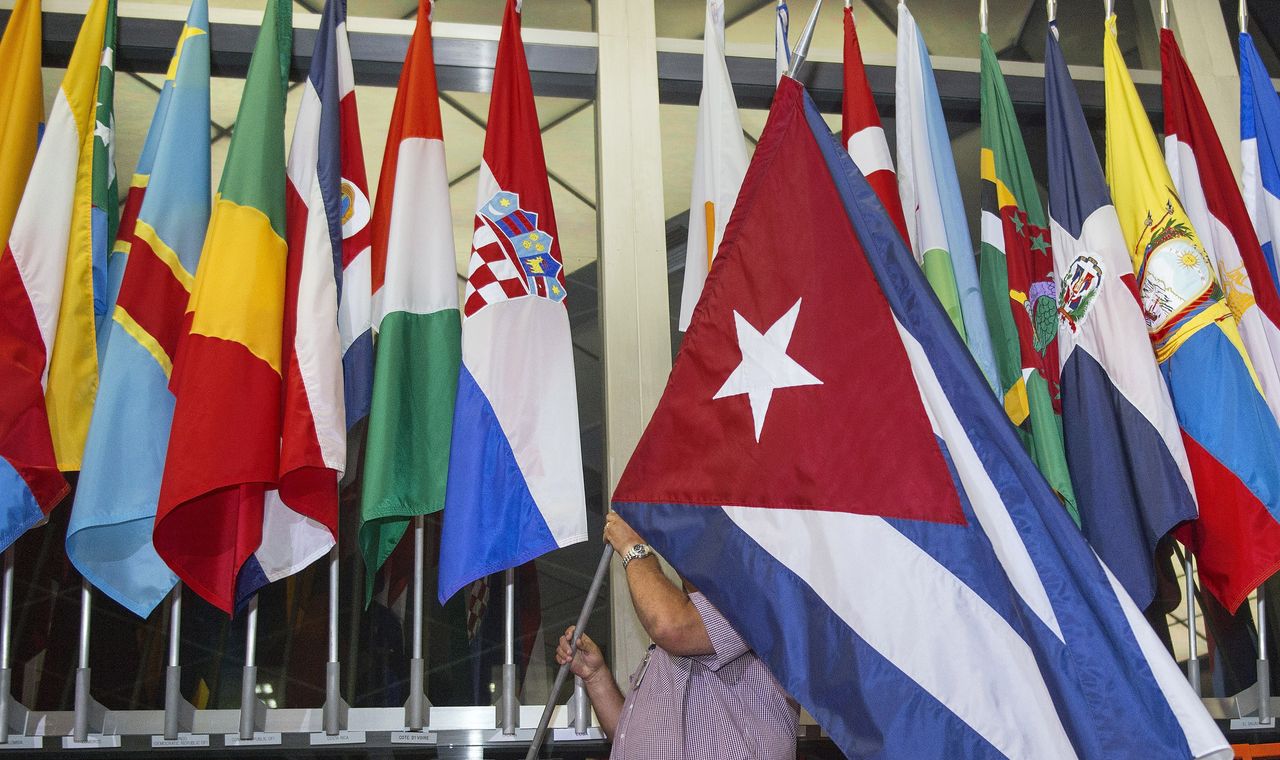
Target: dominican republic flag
1209, 193
931, 200
321, 206
109, 537
1260, 149
861, 131
48, 324
1231, 437
515, 472
885, 544
1124, 449
719, 161
781, 47
223, 461
415, 278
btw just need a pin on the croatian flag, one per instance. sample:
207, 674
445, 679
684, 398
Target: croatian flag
880, 593
1207, 187
861, 130
515, 472
1260, 149
1124, 449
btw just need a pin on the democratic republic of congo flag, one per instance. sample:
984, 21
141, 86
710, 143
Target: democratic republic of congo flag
224, 446
1232, 439
416, 307
861, 130
49, 370
167, 211
21, 106
1019, 287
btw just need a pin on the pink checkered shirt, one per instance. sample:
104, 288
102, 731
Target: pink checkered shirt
722, 706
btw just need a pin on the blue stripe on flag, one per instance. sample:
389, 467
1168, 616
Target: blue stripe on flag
21, 511
491, 522
324, 78
357, 377
1079, 186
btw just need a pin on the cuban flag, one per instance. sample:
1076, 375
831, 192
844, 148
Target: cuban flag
1207, 187
1124, 448
1260, 149
515, 487
933, 599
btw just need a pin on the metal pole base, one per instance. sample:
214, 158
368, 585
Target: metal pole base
579, 708
509, 701
1264, 691
179, 714
253, 713
90, 716
13, 714
417, 708
335, 707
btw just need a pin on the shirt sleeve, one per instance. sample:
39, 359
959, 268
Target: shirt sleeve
726, 642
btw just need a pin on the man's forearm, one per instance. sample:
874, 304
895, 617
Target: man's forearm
606, 700
665, 611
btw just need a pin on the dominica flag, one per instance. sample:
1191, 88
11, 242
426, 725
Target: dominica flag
1019, 286
107, 266
322, 207
1232, 439
719, 161
1207, 187
931, 200
109, 537
21, 106
223, 459
515, 486
416, 307
47, 298
861, 130
990, 628
1260, 149
1128, 463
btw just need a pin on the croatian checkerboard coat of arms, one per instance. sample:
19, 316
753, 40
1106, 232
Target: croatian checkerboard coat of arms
510, 256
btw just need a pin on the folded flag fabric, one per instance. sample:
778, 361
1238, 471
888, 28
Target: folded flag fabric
47, 321
1231, 437
223, 458
1207, 188
970, 551
21, 106
416, 304
930, 193
1124, 447
1019, 286
1260, 149
719, 161
861, 130
515, 486
104, 191
109, 537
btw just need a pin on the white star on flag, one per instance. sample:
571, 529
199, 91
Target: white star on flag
765, 365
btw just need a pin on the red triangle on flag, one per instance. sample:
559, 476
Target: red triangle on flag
792, 320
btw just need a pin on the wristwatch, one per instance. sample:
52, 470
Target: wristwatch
639, 551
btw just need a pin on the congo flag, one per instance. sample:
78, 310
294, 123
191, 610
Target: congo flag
49, 371
224, 446
1232, 439
109, 538
1018, 284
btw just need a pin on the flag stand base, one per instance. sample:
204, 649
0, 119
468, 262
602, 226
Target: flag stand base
91, 719
417, 710
508, 702
13, 714
579, 708
179, 714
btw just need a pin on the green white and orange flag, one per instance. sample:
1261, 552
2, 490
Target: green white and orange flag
224, 445
1019, 288
415, 303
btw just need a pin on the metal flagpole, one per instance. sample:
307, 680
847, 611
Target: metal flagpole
509, 719
1164, 14
6, 635
249, 679
801, 50
415, 718
1193, 644
80, 730
1051, 8
1243, 16
173, 702
332, 682
1264, 667
1111, 8
602, 570
982, 15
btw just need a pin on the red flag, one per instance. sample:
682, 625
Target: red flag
861, 132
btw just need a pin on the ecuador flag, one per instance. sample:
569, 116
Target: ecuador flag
47, 327
224, 446
1232, 439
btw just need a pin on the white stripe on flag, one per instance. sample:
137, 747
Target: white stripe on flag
870, 150
993, 230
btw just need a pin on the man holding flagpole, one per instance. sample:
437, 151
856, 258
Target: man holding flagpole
700, 691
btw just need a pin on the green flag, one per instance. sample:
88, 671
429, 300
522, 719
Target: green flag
105, 193
1019, 288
